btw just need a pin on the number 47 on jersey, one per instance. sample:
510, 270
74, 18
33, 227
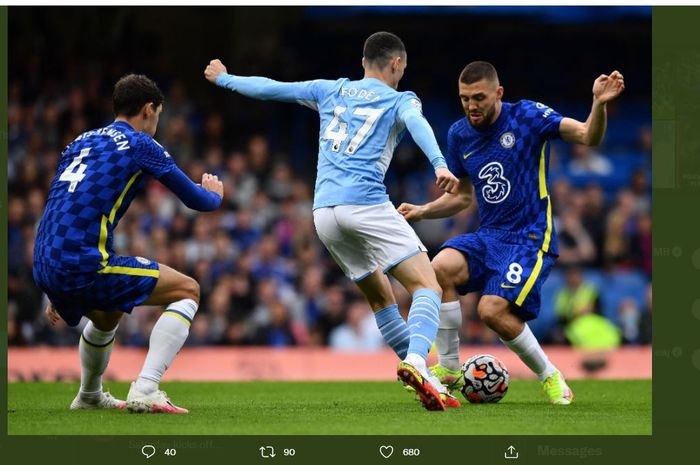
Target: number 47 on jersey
337, 129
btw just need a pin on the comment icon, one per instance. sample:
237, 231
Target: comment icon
148, 450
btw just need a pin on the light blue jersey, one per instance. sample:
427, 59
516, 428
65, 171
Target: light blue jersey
362, 122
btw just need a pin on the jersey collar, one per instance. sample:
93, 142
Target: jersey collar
123, 124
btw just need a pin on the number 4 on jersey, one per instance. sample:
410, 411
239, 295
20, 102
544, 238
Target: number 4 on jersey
339, 135
75, 171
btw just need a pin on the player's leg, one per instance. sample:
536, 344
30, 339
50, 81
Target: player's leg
459, 267
510, 299
363, 238
72, 297
497, 314
377, 289
95, 349
337, 229
418, 277
452, 270
180, 294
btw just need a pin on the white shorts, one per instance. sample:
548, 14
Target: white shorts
362, 238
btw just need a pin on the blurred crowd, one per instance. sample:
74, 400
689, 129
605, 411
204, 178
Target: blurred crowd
265, 277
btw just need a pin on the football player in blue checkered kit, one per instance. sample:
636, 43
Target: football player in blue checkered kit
98, 176
500, 153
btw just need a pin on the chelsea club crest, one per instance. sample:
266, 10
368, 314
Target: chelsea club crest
507, 140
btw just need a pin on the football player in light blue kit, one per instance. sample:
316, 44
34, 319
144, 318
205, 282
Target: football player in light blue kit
362, 121
500, 152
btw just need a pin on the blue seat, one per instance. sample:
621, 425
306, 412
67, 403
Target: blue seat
619, 286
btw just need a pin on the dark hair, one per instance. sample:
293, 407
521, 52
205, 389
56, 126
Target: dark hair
478, 70
381, 47
132, 92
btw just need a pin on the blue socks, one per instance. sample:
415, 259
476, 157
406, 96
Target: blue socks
394, 329
418, 335
423, 321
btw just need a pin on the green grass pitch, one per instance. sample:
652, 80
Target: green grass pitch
364, 408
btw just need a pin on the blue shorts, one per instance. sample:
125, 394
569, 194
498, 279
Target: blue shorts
123, 284
512, 271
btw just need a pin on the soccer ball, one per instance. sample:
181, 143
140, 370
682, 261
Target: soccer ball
485, 379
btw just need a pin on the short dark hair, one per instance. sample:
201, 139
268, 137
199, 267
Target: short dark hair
381, 47
478, 70
132, 92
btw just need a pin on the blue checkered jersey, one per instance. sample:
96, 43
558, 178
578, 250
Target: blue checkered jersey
98, 176
508, 165
362, 122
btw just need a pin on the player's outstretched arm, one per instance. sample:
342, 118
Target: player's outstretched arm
605, 89
423, 135
205, 197
442, 207
259, 87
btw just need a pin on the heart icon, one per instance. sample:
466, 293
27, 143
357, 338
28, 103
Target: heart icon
386, 451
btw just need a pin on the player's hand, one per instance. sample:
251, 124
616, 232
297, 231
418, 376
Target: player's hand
52, 314
446, 180
212, 184
411, 212
213, 69
607, 88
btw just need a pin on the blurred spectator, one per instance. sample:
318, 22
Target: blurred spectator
645, 139
241, 293
213, 134
561, 195
629, 316
582, 327
13, 333
235, 333
645, 319
593, 218
641, 244
279, 331
310, 301
244, 232
240, 185
575, 244
641, 192
265, 212
178, 138
577, 298
359, 333
619, 228
594, 336
199, 246
178, 105
586, 161
199, 332
214, 161
258, 152
332, 315
267, 262
279, 185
